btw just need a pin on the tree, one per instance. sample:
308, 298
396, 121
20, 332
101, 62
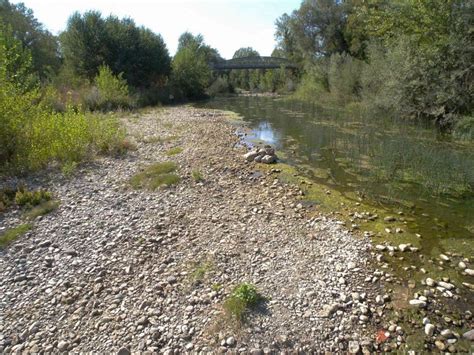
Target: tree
42, 45
315, 29
91, 41
190, 67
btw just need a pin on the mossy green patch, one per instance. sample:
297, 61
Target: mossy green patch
156, 175
42, 209
197, 176
13, 233
174, 151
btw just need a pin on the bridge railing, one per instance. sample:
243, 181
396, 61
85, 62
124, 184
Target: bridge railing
253, 63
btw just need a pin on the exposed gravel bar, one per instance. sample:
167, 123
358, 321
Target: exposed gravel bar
114, 269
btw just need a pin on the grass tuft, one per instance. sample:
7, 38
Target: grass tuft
42, 209
243, 298
13, 233
156, 175
174, 151
200, 271
197, 176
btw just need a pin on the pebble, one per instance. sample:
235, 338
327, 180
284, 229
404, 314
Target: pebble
440, 345
63, 345
429, 329
469, 335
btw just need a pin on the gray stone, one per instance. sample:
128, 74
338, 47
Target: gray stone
354, 347
469, 335
123, 351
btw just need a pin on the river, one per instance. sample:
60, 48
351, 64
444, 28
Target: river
385, 166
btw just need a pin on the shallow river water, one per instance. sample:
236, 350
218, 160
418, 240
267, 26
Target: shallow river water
404, 169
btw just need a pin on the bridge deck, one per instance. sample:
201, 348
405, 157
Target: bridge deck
253, 63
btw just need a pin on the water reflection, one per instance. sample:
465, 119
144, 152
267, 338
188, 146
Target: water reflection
390, 161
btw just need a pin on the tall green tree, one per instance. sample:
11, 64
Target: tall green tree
190, 67
91, 41
42, 45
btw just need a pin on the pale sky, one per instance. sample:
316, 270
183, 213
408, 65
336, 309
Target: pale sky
226, 25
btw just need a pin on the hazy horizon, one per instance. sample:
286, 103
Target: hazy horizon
226, 25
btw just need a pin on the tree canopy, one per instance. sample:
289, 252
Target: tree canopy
30, 33
91, 41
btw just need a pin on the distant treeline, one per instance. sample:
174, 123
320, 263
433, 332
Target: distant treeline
406, 58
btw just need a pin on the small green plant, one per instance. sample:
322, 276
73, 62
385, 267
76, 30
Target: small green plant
197, 176
29, 199
174, 151
13, 233
200, 271
216, 287
243, 297
42, 209
156, 175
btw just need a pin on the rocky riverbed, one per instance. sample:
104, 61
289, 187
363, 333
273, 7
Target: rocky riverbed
115, 269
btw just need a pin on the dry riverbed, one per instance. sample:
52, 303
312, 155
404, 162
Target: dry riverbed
118, 269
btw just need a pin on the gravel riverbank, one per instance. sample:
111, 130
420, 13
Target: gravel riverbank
116, 269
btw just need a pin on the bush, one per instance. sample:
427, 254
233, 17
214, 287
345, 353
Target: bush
30, 199
243, 297
464, 128
190, 75
344, 77
220, 86
109, 92
31, 135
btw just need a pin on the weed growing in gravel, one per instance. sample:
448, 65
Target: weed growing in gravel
30, 199
42, 209
11, 234
174, 151
156, 175
197, 176
200, 271
243, 298
216, 287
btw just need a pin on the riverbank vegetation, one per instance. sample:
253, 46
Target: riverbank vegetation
403, 58
400, 58
56, 91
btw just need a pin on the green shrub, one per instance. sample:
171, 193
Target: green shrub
464, 128
29, 199
344, 77
109, 93
243, 297
156, 175
219, 86
32, 135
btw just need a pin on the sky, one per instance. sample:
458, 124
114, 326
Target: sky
226, 25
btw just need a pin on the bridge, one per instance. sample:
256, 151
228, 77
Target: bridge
253, 63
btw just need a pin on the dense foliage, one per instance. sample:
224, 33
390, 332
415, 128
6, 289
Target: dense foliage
42, 45
407, 58
191, 74
91, 41
31, 135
